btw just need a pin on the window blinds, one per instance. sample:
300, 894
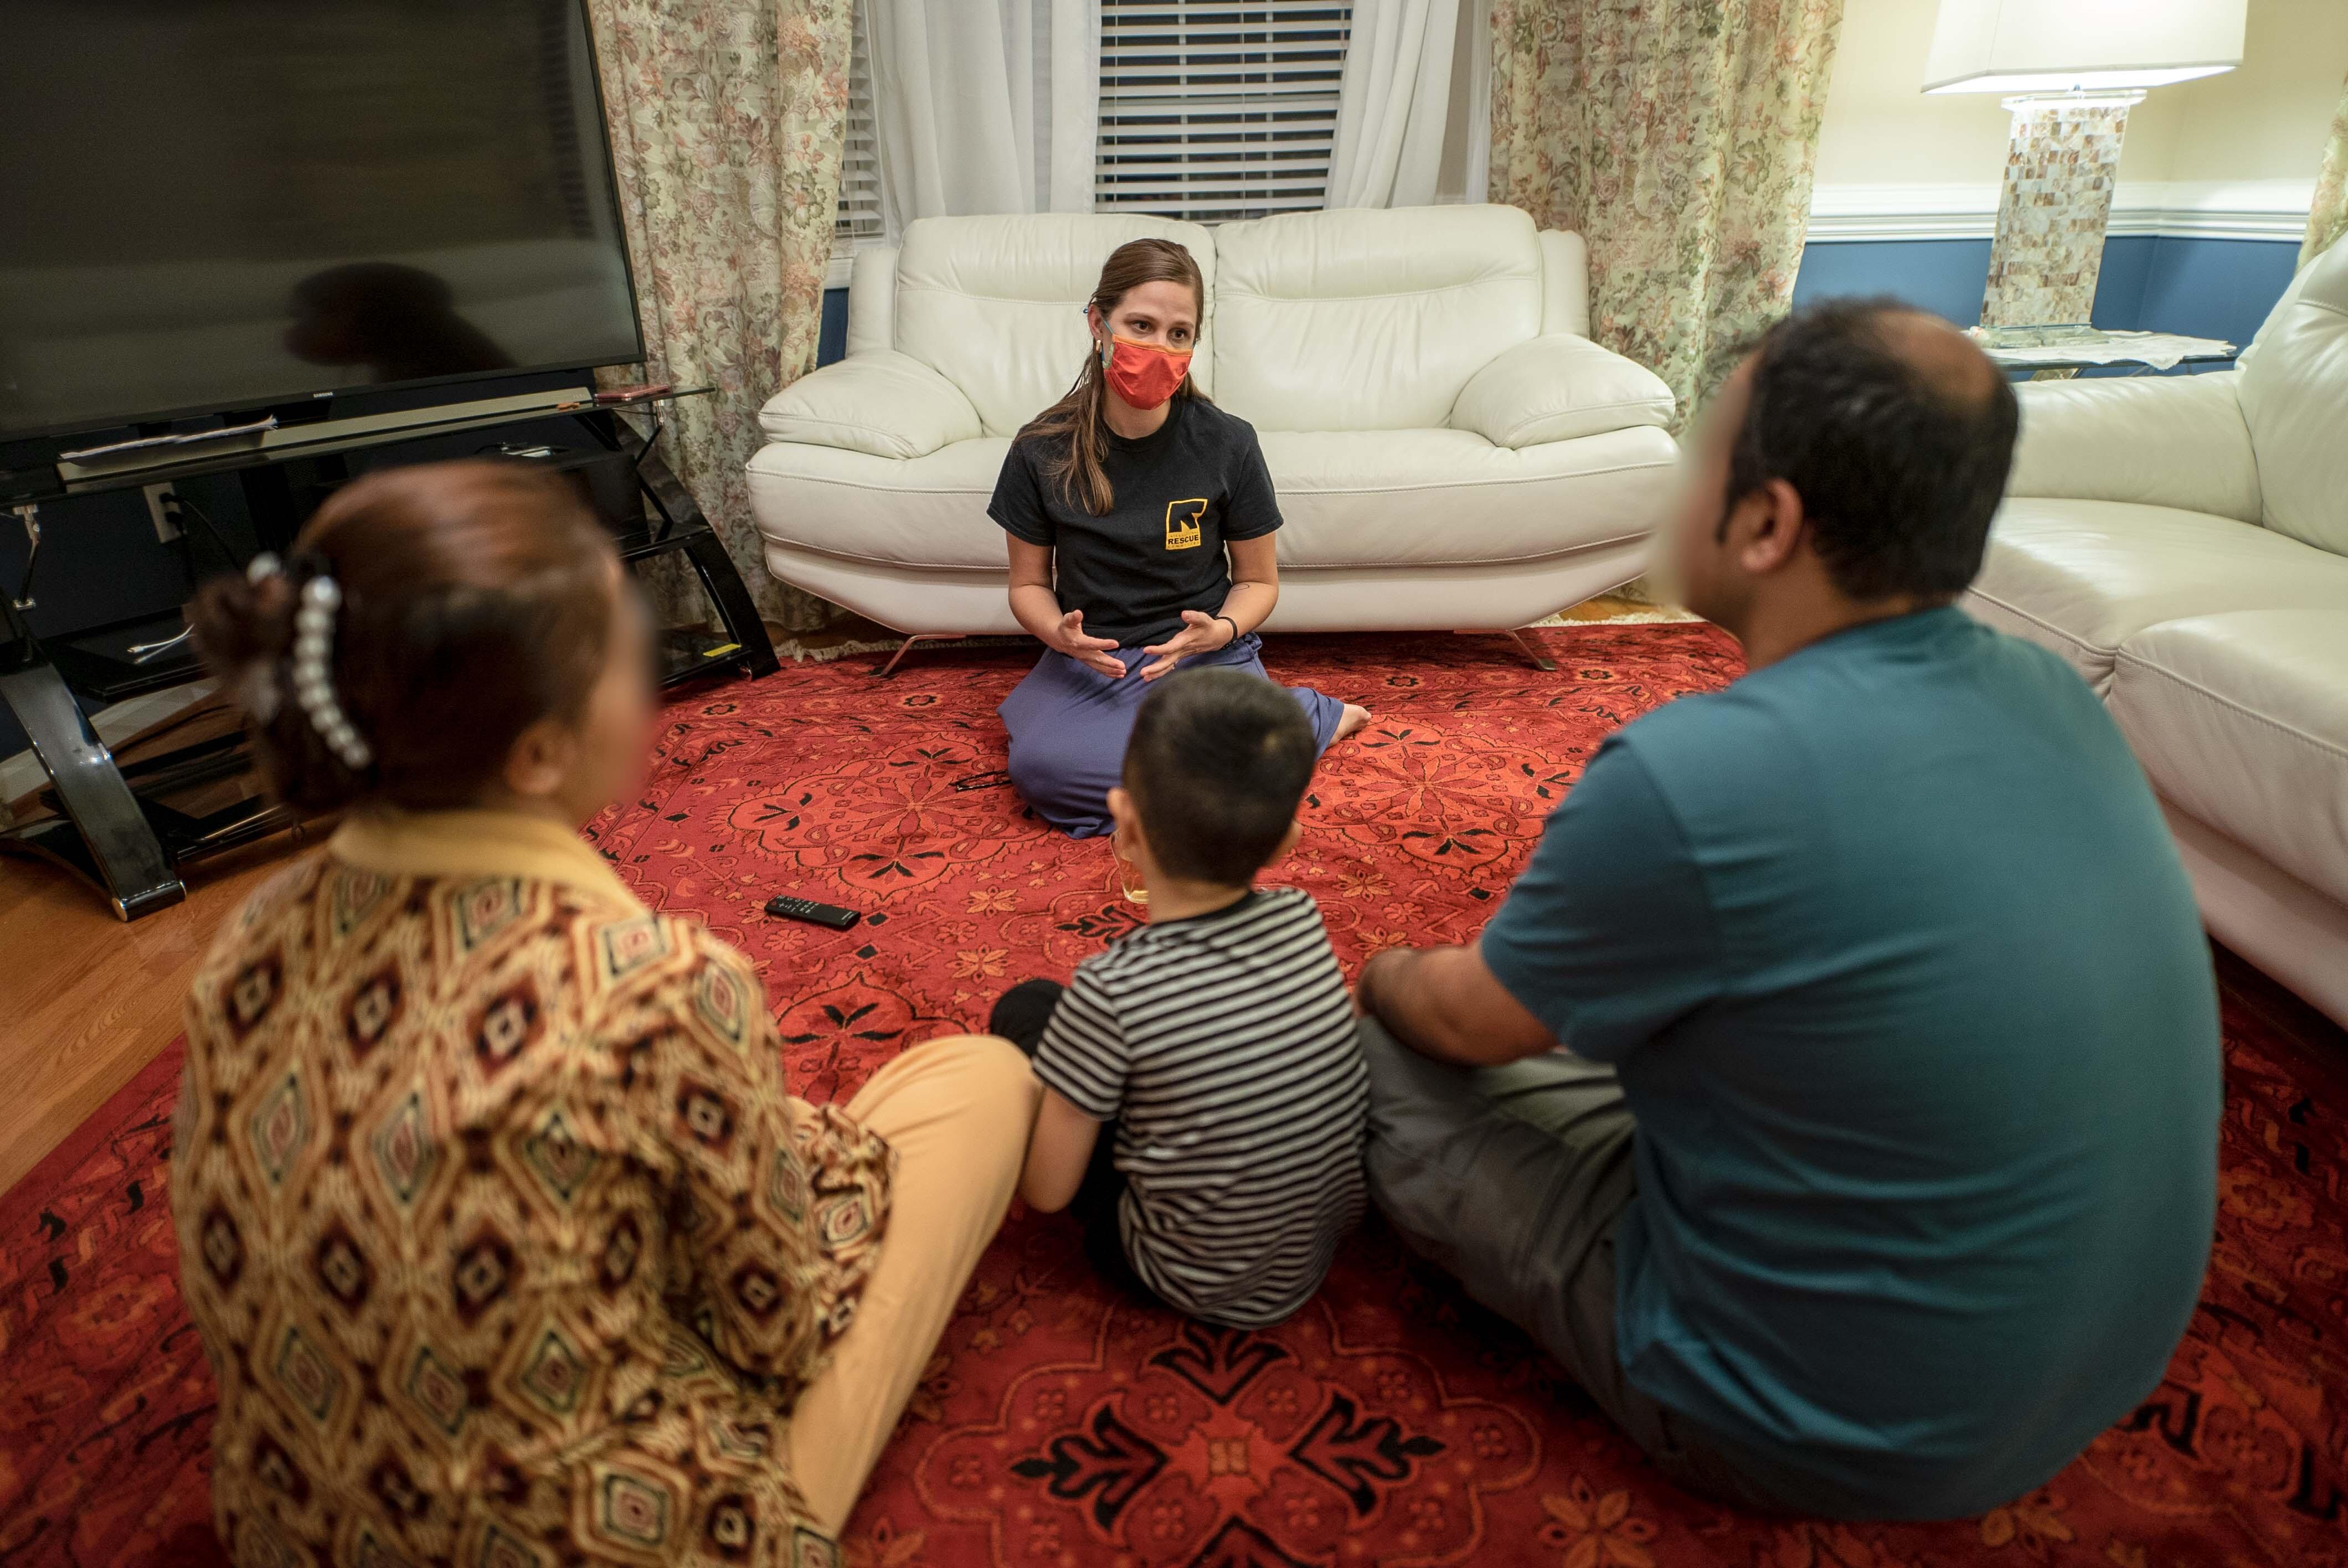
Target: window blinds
1218, 109
859, 218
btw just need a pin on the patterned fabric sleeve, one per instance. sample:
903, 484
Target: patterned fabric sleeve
778, 1207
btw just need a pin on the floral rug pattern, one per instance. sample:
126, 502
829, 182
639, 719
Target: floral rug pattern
1389, 1422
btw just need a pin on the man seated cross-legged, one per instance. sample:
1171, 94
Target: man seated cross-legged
1875, 1174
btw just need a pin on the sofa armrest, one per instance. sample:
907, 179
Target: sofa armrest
2157, 440
882, 402
1558, 387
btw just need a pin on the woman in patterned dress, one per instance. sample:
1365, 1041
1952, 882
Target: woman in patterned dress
508, 1245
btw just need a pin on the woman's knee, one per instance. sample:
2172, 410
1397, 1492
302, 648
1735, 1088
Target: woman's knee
979, 1072
1001, 1075
999, 1071
1031, 776
994, 1095
960, 1110
1055, 768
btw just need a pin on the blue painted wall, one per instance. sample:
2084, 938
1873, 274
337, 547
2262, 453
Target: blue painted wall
2213, 288
2207, 288
1943, 276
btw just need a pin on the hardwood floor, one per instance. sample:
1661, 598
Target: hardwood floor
86, 1001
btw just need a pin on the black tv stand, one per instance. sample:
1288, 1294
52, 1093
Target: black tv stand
109, 824
102, 830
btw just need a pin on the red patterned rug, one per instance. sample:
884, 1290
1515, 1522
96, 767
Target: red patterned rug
1390, 1421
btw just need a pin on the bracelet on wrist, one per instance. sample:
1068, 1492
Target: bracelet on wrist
1234, 625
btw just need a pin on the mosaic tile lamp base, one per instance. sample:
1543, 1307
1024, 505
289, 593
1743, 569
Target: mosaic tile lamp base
2075, 67
2059, 171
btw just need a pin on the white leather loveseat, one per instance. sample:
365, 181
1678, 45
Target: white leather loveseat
2183, 541
1450, 452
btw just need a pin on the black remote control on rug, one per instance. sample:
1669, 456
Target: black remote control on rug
813, 913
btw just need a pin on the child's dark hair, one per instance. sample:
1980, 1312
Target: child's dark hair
476, 600
1216, 766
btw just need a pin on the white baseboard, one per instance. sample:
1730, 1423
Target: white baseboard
2206, 210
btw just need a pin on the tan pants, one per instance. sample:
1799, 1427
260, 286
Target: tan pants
958, 1112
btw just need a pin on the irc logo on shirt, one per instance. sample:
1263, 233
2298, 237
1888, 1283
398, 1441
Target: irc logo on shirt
1182, 519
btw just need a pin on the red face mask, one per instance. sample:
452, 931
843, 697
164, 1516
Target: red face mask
1144, 374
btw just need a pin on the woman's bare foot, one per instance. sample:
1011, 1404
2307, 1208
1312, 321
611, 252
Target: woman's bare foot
1354, 719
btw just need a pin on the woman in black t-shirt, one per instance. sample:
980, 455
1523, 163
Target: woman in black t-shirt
1140, 519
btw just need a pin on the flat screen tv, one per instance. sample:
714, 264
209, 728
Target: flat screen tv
215, 205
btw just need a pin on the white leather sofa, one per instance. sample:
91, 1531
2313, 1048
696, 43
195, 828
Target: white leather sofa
1450, 451
2183, 541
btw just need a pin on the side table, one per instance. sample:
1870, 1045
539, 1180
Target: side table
2061, 351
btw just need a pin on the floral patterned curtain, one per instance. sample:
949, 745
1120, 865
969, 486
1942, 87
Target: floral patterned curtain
1678, 138
726, 118
2327, 220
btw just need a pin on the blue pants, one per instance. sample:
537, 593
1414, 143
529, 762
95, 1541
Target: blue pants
1069, 724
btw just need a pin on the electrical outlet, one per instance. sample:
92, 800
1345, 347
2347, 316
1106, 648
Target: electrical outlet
161, 506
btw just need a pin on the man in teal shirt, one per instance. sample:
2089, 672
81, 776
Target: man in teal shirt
1876, 1174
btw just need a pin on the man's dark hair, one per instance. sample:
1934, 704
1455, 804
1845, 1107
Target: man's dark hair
1217, 763
1897, 444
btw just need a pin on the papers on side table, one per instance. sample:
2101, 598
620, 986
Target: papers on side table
2069, 345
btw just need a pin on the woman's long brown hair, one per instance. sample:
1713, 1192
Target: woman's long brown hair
1071, 432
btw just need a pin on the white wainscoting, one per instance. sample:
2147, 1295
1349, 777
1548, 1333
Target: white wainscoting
2204, 210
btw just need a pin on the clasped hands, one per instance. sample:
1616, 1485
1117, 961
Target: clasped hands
1201, 633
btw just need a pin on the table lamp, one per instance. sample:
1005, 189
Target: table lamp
2071, 69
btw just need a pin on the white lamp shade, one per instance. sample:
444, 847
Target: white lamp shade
2065, 46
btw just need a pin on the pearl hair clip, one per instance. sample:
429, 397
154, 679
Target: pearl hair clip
314, 684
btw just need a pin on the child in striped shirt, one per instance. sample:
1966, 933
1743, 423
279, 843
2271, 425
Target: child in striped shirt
1205, 1098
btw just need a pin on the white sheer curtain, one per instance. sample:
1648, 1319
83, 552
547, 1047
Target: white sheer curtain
1394, 102
984, 106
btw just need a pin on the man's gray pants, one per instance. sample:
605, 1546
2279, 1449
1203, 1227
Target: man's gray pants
1512, 1180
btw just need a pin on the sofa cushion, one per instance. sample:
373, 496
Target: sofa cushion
2083, 577
1559, 387
1366, 319
1348, 498
2295, 389
2159, 440
882, 402
1397, 497
2243, 720
996, 304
